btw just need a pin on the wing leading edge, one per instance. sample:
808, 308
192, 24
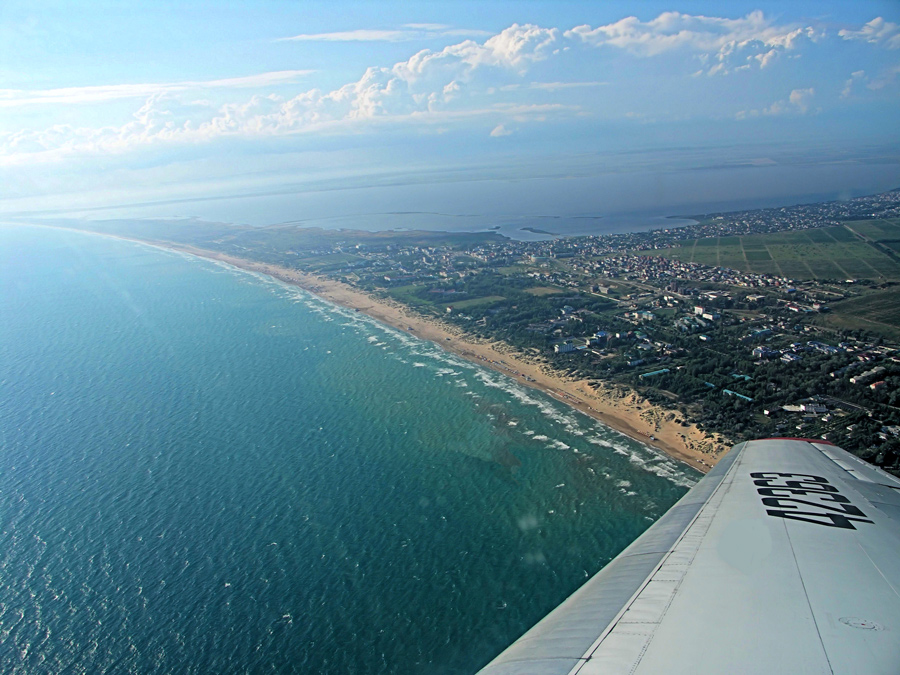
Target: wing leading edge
785, 557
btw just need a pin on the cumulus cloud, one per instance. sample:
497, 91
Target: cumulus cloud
431, 78
857, 76
798, 102
518, 45
424, 84
722, 44
800, 98
877, 31
885, 78
766, 58
500, 130
434, 85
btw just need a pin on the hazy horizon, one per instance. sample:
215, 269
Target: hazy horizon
498, 114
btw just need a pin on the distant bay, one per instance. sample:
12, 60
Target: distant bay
579, 197
205, 470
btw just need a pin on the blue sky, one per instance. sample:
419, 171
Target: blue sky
104, 104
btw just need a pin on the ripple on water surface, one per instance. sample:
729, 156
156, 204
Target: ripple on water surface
204, 470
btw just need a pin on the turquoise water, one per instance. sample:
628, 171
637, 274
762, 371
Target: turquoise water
205, 471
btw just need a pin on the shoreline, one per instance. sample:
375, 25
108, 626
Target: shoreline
613, 406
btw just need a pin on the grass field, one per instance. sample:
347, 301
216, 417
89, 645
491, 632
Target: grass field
328, 263
408, 295
474, 302
877, 311
857, 250
879, 230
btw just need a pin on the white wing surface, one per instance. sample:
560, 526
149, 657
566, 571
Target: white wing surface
785, 558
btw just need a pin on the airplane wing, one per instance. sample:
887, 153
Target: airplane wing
785, 558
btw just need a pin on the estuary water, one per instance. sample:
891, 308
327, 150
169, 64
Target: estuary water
204, 470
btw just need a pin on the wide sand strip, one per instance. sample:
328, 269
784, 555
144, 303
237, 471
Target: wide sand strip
615, 407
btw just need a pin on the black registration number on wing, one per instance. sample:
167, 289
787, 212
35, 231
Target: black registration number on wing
811, 499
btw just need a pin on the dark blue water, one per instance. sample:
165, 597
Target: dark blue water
205, 471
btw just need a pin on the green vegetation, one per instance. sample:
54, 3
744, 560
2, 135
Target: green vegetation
876, 310
408, 295
476, 302
880, 229
737, 316
828, 253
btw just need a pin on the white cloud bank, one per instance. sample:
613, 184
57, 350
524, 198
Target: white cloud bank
723, 45
433, 85
421, 85
877, 31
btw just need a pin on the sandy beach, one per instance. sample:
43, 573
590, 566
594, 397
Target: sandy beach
616, 407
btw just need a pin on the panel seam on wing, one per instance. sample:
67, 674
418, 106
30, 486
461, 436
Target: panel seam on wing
812, 612
691, 537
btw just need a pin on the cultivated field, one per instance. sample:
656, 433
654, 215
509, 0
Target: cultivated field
857, 250
877, 311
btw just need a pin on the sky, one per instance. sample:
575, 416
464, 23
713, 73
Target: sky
264, 112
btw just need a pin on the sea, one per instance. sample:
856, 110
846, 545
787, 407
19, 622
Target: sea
204, 470
539, 200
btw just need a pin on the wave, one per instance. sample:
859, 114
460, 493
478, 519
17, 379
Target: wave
378, 334
558, 445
